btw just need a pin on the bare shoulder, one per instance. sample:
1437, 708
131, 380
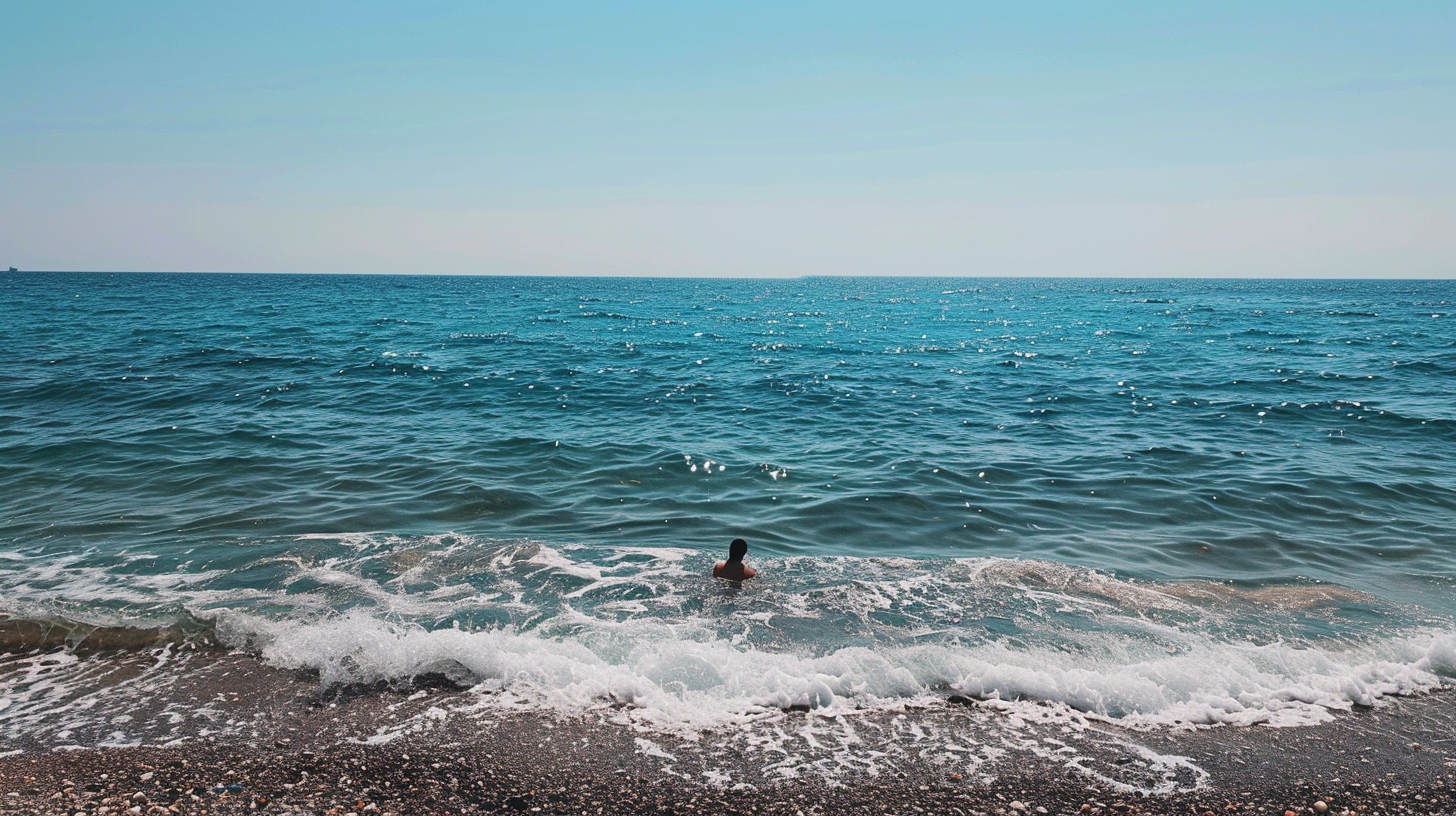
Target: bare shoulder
733, 571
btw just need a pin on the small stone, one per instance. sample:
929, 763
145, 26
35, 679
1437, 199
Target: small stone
147, 777
1320, 806
1019, 806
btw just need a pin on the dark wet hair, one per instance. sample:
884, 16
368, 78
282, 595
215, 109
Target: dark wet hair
737, 550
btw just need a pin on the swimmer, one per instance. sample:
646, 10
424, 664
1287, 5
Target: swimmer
734, 569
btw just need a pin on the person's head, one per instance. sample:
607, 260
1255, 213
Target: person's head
737, 550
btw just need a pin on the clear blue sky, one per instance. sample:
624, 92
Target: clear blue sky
1241, 139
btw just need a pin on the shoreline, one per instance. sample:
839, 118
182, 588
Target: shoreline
253, 739
575, 770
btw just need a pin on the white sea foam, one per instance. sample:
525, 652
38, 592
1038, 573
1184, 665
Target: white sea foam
682, 677
811, 669
639, 631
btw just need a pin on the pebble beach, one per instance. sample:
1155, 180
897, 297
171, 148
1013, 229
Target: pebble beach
407, 749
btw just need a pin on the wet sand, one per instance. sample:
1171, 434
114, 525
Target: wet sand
228, 735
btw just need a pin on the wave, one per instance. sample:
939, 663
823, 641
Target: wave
680, 676
82, 638
640, 630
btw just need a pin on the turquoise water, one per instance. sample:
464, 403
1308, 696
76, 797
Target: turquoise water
993, 470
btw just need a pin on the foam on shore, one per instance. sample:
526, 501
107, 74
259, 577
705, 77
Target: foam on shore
681, 676
642, 631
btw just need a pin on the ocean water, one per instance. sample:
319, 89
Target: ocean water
1156, 502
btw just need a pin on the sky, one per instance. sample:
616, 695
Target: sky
1233, 139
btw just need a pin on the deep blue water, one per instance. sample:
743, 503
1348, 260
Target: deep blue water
186, 445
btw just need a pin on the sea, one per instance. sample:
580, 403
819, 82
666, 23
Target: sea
1156, 503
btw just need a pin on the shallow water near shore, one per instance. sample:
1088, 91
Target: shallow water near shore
1154, 503
289, 739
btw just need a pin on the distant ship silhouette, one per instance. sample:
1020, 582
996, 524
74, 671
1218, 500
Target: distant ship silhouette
13, 269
